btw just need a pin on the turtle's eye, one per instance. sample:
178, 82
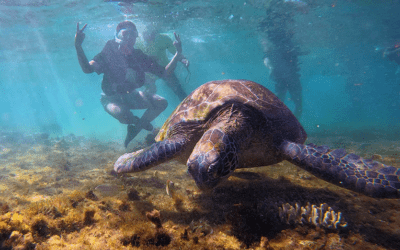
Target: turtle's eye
215, 169
216, 173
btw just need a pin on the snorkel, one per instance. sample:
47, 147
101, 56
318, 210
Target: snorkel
125, 35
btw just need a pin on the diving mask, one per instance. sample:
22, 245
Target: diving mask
125, 35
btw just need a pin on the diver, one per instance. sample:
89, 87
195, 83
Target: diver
155, 44
284, 72
277, 41
124, 71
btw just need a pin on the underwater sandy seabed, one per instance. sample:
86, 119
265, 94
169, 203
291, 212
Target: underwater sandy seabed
61, 194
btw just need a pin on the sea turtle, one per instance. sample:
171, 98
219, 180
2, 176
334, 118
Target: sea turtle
230, 124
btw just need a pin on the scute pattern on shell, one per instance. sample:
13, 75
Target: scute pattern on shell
203, 100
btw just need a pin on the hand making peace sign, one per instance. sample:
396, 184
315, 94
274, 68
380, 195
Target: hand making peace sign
79, 36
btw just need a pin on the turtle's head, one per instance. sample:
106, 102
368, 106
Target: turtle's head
210, 163
206, 175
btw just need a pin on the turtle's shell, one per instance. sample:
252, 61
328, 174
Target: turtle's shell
214, 94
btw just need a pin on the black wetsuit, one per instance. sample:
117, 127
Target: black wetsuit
114, 65
123, 74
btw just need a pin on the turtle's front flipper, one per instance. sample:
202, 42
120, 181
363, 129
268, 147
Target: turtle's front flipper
353, 172
149, 157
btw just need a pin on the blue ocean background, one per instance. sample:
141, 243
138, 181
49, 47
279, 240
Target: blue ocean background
348, 87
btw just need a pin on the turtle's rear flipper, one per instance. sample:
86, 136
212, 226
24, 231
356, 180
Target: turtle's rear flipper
146, 158
348, 170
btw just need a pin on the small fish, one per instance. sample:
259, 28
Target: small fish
170, 188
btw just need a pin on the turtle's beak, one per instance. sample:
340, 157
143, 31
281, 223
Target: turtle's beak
201, 175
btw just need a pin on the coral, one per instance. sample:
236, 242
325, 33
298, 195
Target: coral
16, 219
155, 217
133, 195
88, 217
161, 239
133, 240
322, 216
91, 196
124, 206
18, 241
144, 236
40, 227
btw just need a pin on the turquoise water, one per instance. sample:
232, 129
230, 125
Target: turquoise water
42, 84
